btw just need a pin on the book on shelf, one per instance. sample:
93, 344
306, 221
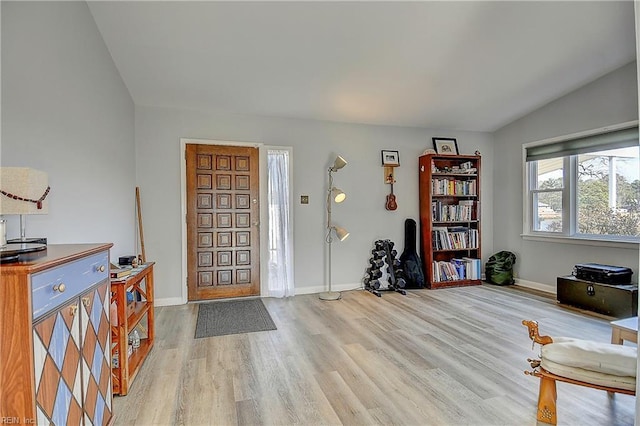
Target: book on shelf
474, 268
465, 268
440, 238
444, 271
449, 186
467, 209
464, 211
119, 272
454, 238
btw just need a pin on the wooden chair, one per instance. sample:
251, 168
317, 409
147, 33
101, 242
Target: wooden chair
547, 396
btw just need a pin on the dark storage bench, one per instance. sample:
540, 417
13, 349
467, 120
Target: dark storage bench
619, 301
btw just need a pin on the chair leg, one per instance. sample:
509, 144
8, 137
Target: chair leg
547, 401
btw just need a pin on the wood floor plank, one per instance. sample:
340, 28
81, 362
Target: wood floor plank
205, 395
248, 413
398, 395
344, 402
444, 357
310, 401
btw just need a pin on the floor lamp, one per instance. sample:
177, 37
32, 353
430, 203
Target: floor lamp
337, 195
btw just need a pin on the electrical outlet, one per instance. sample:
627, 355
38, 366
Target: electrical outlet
304, 199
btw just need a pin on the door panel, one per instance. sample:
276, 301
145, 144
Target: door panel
223, 213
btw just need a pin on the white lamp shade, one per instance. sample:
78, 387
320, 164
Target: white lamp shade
341, 233
339, 163
338, 195
26, 183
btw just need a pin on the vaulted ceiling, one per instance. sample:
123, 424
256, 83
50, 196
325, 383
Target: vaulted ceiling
474, 65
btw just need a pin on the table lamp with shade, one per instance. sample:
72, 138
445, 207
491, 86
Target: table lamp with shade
23, 191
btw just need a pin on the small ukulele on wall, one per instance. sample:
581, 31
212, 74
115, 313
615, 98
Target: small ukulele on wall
391, 199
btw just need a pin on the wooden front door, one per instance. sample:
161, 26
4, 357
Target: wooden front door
223, 213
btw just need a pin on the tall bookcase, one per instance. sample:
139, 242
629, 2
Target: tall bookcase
450, 220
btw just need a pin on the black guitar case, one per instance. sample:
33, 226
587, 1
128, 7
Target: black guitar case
409, 259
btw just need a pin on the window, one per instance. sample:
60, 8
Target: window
586, 186
547, 194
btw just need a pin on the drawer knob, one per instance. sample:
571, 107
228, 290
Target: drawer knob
100, 268
60, 287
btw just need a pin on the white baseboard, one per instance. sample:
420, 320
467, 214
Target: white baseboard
536, 286
168, 301
334, 287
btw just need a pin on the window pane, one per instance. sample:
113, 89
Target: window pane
608, 192
547, 205
549, 173
548, 215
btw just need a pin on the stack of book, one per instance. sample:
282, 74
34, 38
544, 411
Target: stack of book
117, 272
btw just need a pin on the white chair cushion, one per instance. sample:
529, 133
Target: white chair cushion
605, 358
593, 377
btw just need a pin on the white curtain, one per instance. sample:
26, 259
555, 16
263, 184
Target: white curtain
280, 232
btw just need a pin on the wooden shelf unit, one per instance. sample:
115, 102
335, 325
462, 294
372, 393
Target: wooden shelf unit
140, 285
445, 183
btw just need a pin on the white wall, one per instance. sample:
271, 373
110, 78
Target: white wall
315, 144
609, 100
66, 111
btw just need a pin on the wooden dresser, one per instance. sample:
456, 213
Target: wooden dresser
55, 351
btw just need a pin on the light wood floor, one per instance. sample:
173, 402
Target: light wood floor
434, 357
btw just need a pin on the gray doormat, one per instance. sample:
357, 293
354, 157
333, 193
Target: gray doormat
232, 317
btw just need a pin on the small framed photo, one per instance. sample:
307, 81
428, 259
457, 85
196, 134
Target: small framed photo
447, 146
390, 158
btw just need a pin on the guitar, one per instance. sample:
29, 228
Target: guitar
409, 259
391, 199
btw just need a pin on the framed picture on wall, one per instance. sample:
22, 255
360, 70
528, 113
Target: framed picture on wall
390, 158
447, 146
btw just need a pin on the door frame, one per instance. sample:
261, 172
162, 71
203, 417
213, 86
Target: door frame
264, 218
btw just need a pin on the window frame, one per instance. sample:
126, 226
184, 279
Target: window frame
569, 233
566, 198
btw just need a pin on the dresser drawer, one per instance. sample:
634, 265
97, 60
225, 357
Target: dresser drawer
76, 276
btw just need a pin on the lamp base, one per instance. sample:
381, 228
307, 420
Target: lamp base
330, 295
12, 251
28, 241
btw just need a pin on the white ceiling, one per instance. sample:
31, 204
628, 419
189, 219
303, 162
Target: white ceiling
449, 65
